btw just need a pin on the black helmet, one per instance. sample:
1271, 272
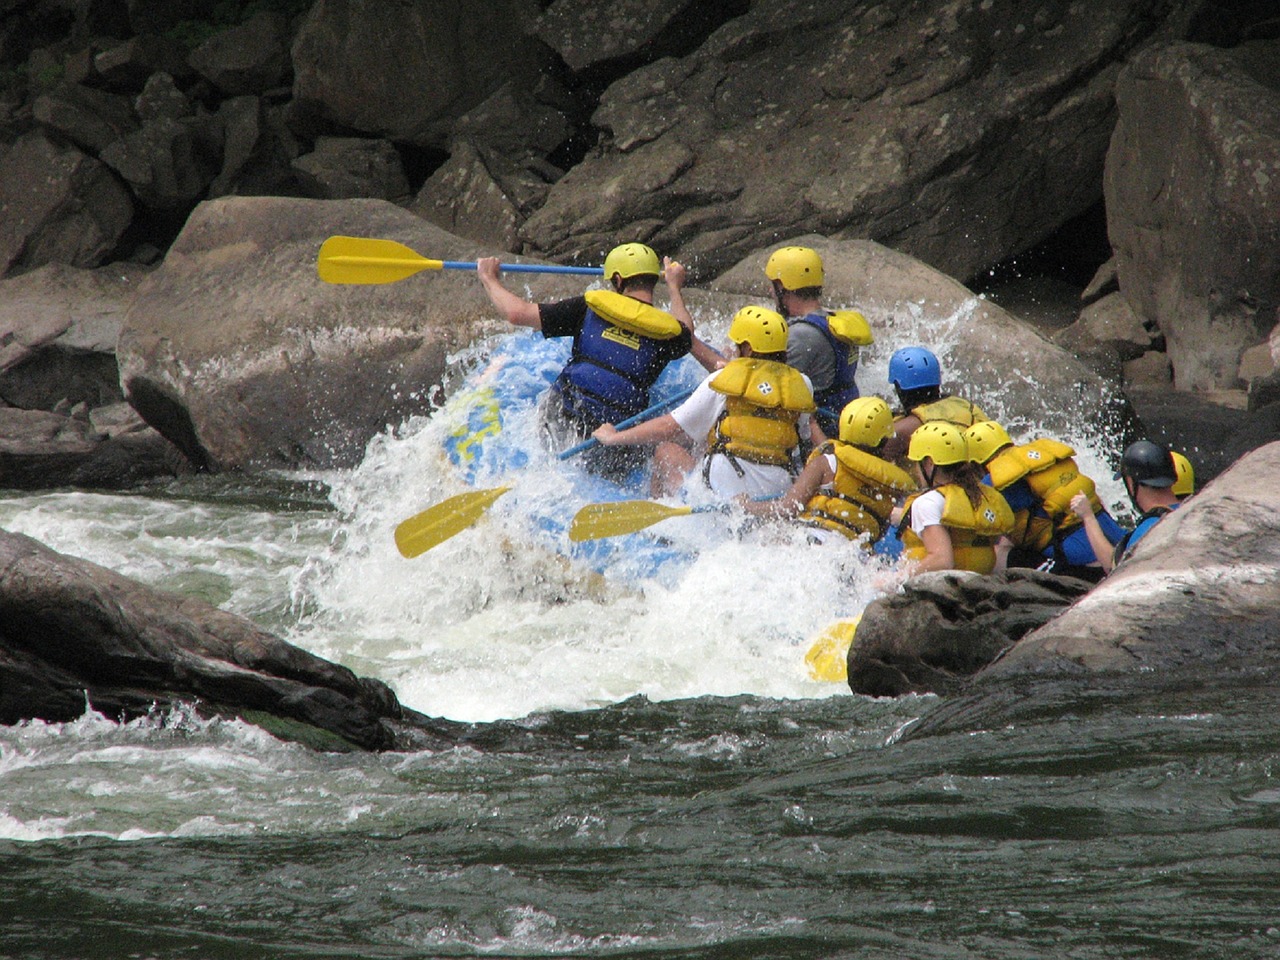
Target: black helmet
1148, 464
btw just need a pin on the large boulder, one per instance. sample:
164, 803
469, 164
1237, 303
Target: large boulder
72, 631
942, 628
1196, 607
1202, 587
1193, 201
58, 327
239, 354
63, 420
406, 71
57, 205
957, 133
987, 355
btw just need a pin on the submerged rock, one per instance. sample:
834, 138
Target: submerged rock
72, 632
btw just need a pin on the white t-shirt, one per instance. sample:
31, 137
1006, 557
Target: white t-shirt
926, 511
696, 416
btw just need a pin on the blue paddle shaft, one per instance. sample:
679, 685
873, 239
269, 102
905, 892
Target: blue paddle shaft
524, 267
653, 411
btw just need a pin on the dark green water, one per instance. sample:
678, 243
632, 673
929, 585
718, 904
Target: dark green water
708, 828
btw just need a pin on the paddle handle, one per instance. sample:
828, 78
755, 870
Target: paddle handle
653, 411
524, 267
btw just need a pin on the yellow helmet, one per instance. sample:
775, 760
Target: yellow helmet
866, 421
795, 267
631, 260
1184, 483
985, 438
761, 327
940, 440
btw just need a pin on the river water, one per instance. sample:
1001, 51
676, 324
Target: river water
653, 772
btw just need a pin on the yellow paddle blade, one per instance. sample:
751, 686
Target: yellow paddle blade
433, 526
363, 260
598, 520
828, 657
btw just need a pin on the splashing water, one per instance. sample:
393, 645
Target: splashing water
505, 619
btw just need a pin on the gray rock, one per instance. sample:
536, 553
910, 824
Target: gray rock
464, 197
383, 69
1202, 587
343, 168
57, 205
75, 631
239, 354
161, 98
587, 33
252, 57
127, 65
1193, 194
161, 165
91, 119
40, 450
942, 628
1107, 322
957, 134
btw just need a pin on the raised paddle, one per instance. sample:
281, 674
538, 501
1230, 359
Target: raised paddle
596, 521
366, 260
653, 411
436, 524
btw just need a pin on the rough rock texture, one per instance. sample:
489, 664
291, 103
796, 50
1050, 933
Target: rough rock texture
957, 133
1204, 585
239, 354
942, 628
108, 449
1197, 604
58, 327
57, 205
1193, 201
407, 70
63, 420
987, 356
587, 33
72, 631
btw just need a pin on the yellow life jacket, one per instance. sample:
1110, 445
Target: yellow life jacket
1053, 478
763, 401
633, 315
863, 493
851, 327
973, 530
955, 410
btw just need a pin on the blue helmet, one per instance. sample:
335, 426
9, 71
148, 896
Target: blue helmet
911, 368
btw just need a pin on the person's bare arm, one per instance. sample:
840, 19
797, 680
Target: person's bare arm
938, 554
515, 309
673, 272
815, 473
896, 447
642, 434
1102, 547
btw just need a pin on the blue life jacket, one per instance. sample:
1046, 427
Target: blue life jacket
842, 388
1145, 523
609, 373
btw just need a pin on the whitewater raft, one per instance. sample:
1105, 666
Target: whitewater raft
494, 440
